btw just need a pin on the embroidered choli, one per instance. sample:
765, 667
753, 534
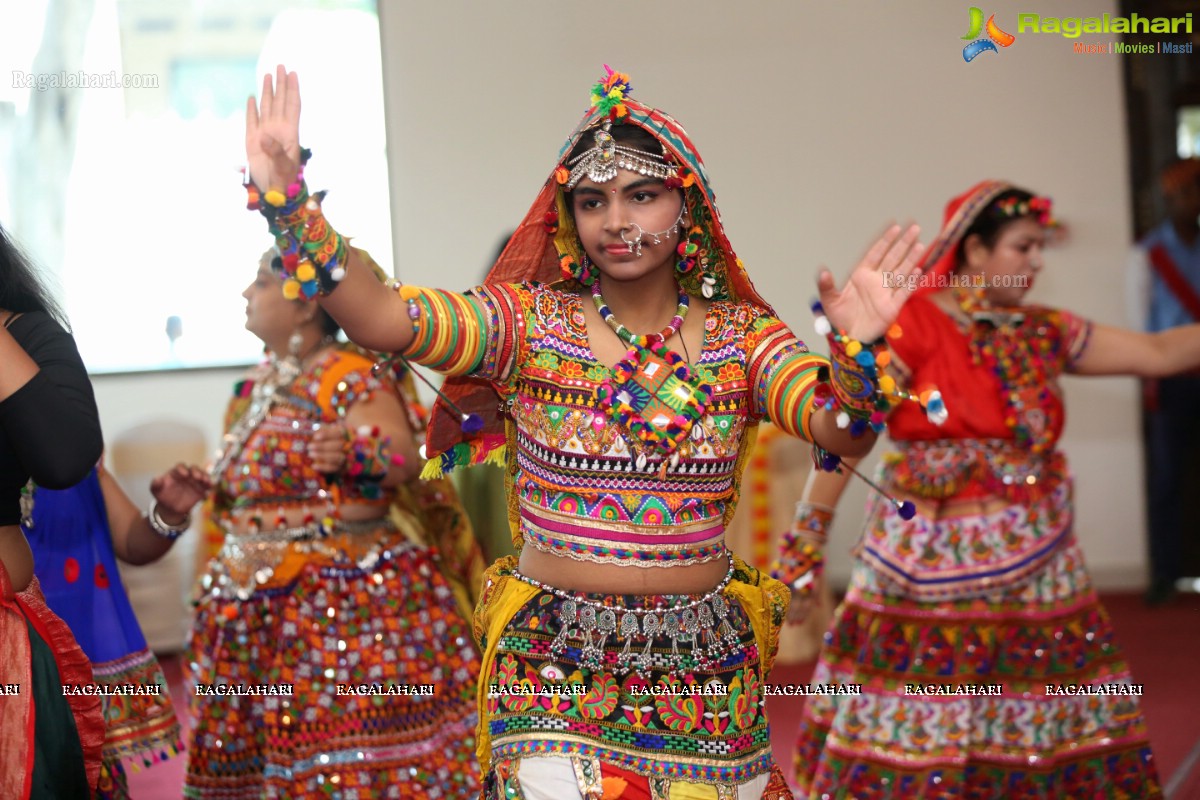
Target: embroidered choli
584, 487
272, 469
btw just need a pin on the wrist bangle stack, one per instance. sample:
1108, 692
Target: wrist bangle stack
164, 530
856, 385
812, 522
313, 255
801, 557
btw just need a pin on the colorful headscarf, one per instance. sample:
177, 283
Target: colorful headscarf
546, 236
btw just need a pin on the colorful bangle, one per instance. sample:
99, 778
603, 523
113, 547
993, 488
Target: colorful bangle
812, 522
856, 385
369, 460
800, 564
313, 255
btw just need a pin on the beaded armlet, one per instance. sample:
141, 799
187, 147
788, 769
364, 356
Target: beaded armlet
312, 255
856, 386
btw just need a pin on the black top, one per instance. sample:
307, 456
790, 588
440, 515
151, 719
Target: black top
49, 428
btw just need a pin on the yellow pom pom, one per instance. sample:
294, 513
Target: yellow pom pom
291, 289
853, 348
409, 292
275, 197
306, 272
887, 384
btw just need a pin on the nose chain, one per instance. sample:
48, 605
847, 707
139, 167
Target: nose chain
635, 245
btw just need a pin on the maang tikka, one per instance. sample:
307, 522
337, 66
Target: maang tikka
600, 163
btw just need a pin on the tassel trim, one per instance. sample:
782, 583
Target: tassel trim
137, 761
486, 450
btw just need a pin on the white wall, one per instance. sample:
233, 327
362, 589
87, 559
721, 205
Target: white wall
818, 122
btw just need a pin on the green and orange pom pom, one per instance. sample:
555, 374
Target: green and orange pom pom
609, 94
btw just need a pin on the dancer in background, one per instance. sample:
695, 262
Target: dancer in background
77, 535
984, 592
320, 589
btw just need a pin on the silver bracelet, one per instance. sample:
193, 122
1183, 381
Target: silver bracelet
157, 525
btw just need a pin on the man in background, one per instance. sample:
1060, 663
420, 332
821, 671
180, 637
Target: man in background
1164, 291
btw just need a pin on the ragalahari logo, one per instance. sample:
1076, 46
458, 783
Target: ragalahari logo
995, 36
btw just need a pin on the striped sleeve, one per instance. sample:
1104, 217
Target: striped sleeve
783, 376
480, 333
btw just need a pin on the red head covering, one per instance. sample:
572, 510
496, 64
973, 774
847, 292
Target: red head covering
941, 259
546, 236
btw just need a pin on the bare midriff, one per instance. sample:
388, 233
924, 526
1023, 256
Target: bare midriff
585, 576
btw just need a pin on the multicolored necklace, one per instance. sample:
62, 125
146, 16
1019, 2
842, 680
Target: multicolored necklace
1019, 357
651, 391
640, 340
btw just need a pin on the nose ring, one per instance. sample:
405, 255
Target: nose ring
635, 245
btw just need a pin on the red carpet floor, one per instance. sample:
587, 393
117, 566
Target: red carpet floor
1162, 646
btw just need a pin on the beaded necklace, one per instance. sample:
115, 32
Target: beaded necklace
1018, 355
265, 393
651, 391
640, 340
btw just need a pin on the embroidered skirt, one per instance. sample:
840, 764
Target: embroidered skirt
348, 672
1011, 689
578, 700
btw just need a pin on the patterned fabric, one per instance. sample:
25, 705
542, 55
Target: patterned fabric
273, 470
585, 491
391, 627
1022, 652
957, 547
578, 778
940, 350
988, 667
707, 728
359, 624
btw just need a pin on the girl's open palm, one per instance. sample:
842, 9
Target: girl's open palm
871, 299
273, 132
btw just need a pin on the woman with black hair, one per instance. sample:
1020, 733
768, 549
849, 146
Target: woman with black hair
330, 654
49, 433
987, 666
